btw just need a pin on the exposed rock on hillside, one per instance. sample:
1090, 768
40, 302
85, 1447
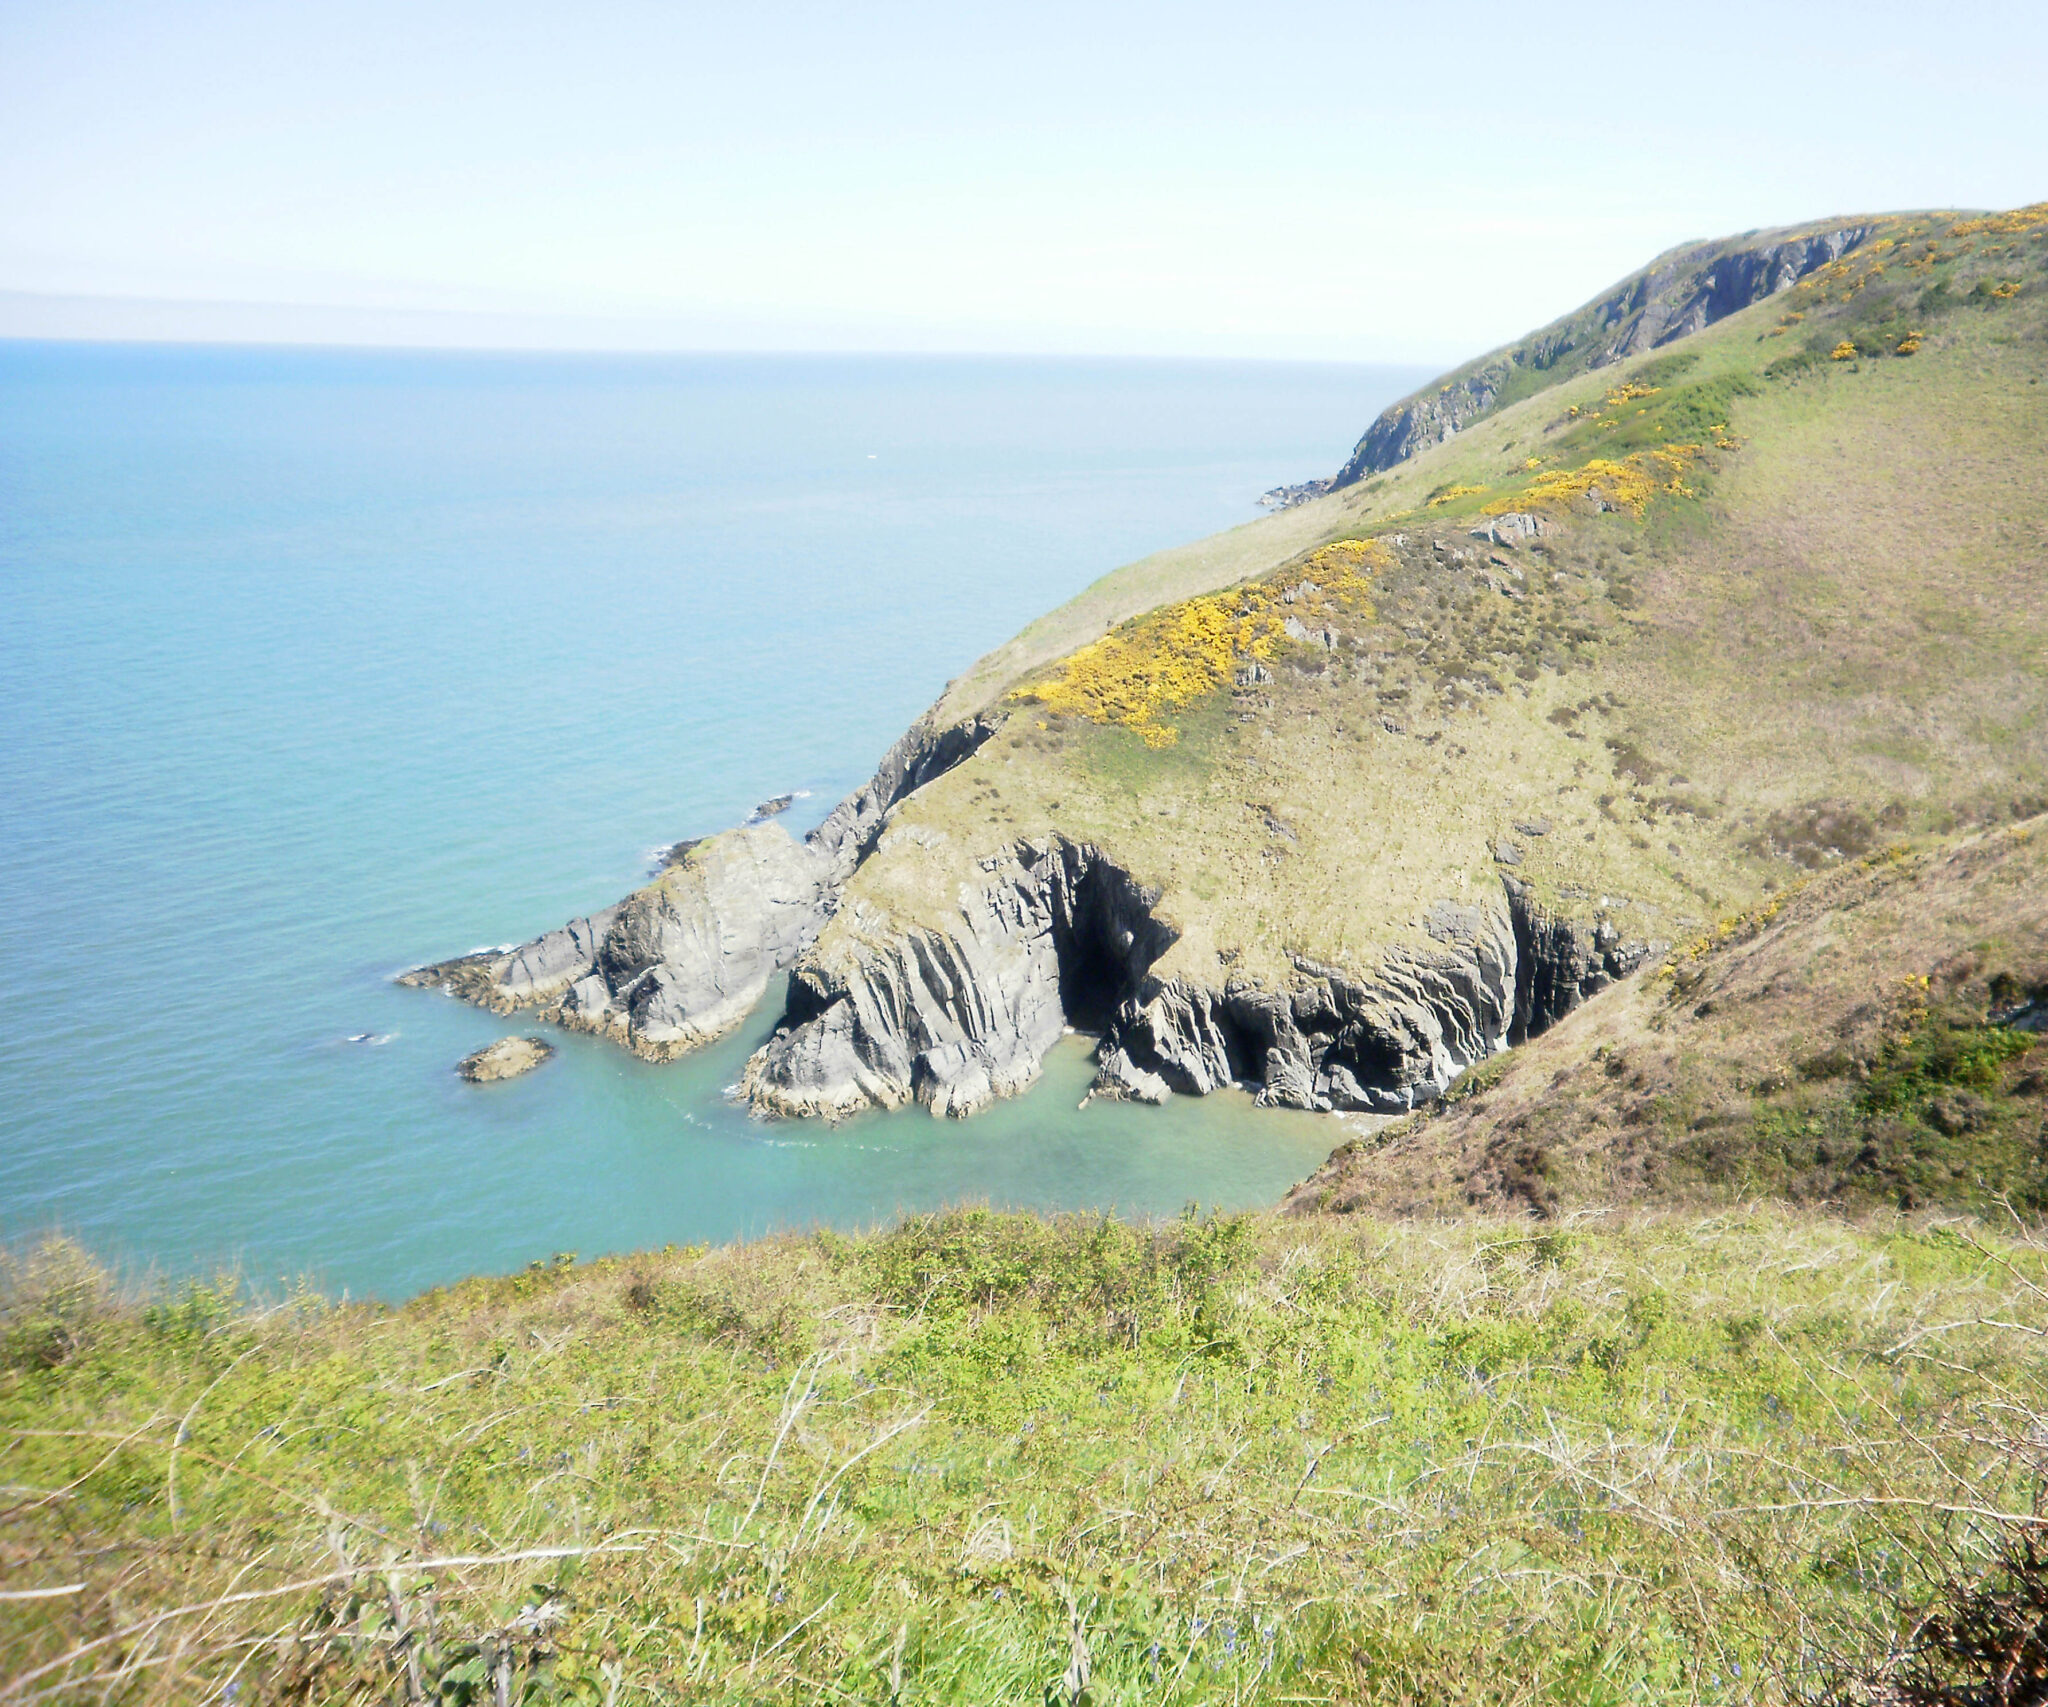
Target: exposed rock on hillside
956, 1017
686, 959
1374, 790
1302, 492
1678, 294
1868, 1036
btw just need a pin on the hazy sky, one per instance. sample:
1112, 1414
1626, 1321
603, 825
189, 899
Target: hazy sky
1350, 181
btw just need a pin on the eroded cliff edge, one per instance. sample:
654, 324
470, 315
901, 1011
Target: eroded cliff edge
687, 957
1062, 936
1465, 746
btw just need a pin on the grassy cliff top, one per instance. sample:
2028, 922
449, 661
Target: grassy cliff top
988, 1459
1790, 576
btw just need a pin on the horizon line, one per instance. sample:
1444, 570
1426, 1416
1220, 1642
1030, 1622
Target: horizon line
49, 317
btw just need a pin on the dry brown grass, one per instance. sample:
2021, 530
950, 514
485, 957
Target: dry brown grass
1745, 1064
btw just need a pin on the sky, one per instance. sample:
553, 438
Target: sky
1358, 182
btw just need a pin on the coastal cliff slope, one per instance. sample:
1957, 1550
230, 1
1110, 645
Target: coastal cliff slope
1869, 1036
1683, 291
1349, 799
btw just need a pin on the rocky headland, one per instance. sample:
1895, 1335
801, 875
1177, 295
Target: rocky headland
1555, 672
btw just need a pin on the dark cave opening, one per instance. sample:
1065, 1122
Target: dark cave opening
1104, 936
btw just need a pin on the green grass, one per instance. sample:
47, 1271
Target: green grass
980, 1458
1939, 1120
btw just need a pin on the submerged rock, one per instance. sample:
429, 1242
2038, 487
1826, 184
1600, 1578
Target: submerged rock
505, 1059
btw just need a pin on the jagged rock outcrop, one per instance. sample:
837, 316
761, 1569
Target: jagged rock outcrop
1563, 962
927, 750
1387, 1042
686, 958
1676, 295
956, 1017
1301, 492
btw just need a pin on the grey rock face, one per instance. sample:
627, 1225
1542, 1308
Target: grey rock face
956, 1018
524, 977
1306, 491
1509, 530
686, 958
1388, 1042
1678, 294
1564, 961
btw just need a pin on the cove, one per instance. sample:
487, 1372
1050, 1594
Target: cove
315, 664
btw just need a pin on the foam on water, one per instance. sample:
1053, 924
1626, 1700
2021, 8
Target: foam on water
317, 664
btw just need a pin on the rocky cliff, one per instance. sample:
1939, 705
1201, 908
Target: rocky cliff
956, 1016
688, 957
1678, 294
1060, 936
1402, 778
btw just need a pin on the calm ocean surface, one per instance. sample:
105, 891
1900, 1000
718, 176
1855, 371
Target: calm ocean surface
317, 664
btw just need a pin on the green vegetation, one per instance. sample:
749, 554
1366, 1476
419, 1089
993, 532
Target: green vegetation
1770, 657
1861, 1039
1939, 1121
988, 1459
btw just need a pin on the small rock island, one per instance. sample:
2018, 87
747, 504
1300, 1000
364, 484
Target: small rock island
506, 1059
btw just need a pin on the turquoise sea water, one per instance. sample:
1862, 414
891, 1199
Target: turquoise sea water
317, 664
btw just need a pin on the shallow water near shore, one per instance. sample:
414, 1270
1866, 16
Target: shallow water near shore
314, 665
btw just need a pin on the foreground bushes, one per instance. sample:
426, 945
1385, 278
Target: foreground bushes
989, 1458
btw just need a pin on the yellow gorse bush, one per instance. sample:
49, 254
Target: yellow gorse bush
1628, 483
1451, 494
2018, 222
1165, 661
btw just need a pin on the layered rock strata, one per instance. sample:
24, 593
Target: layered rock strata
1058, 936
688, 957
955, 1018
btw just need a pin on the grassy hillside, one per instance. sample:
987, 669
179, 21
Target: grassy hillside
1737, 647
1792, 574
986, 1459
1868, 1036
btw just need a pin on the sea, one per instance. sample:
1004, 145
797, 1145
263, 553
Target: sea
316, 664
